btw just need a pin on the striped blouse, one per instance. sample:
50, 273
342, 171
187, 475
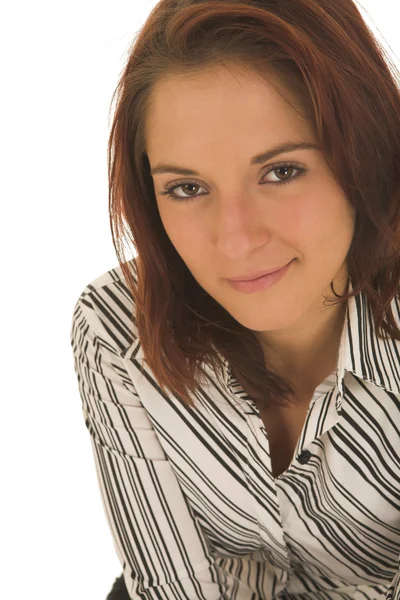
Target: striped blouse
189, 496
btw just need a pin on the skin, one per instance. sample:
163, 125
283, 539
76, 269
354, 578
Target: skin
214, 122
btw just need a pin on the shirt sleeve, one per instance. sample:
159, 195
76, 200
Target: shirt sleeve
159, 542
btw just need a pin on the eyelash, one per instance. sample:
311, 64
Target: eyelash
169, 190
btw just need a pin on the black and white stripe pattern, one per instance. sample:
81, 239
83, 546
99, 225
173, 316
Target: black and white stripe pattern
189, 496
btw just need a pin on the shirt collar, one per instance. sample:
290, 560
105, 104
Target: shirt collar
361, 351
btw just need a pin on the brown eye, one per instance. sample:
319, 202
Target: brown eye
285, 168
189, 185
286, 172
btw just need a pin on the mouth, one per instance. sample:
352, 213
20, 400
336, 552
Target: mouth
257, 275
260, 283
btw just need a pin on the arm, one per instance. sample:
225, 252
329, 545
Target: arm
158, 542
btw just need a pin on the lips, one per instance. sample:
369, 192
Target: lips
260, 283
256, 275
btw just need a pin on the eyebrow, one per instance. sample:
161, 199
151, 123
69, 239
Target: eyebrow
256, 160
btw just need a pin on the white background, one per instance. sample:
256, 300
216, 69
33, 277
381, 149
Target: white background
60, 64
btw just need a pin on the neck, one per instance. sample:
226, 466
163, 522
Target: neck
310, 355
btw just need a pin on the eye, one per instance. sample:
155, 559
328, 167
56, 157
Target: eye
285, 166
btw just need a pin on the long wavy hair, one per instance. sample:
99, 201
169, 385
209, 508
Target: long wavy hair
323, 52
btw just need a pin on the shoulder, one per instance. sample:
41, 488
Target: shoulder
107, 306
112, 278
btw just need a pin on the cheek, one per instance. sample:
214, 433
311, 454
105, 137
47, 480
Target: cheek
304, 225
319, 218
182, 231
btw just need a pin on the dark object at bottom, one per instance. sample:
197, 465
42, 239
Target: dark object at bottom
119, 591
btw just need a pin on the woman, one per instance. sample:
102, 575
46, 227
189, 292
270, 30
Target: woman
247, 435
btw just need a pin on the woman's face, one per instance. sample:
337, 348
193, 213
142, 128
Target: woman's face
231, 215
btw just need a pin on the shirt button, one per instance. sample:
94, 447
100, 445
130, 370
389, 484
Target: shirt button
304, 457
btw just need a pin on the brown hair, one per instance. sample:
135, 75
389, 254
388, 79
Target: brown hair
323, 52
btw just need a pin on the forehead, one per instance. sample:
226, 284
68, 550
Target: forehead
211, 105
